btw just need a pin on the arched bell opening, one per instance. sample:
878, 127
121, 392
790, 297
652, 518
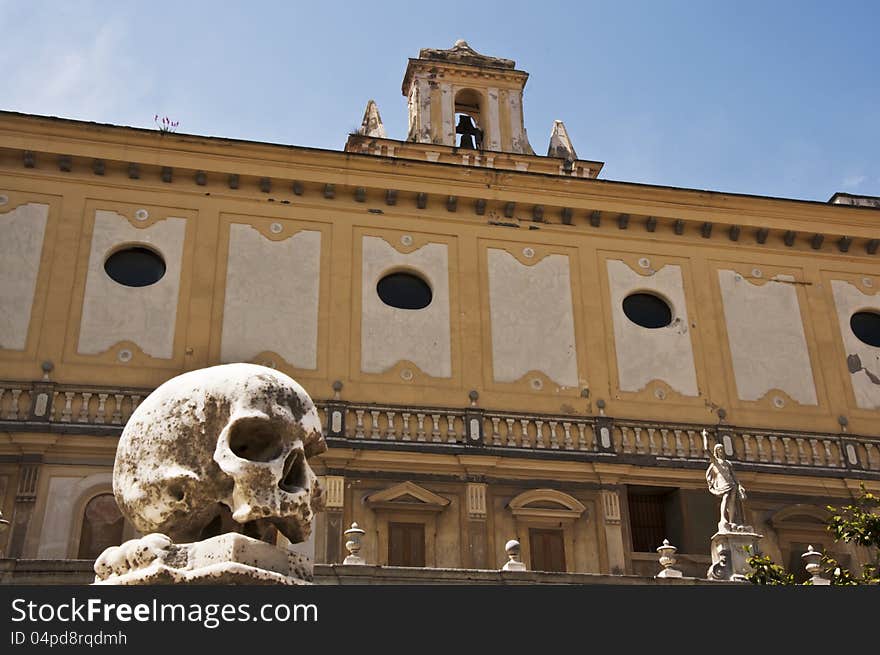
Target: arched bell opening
469, 119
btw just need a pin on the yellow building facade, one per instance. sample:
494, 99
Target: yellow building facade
501, 343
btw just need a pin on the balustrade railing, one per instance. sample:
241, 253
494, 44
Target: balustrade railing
107, 409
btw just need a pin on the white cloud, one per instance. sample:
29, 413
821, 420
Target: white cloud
74, 66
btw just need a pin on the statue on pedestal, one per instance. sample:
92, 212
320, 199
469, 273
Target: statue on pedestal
722, 482
734, 540
210, 467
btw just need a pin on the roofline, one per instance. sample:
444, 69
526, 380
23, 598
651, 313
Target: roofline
342, 153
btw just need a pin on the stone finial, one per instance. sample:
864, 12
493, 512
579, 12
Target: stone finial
811, 563
353, 544
372, 125
513, 562
560, 144
667, 561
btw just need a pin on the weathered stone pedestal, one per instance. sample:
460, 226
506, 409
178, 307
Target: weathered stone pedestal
228, 559
730, 554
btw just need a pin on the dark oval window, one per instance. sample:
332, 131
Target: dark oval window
135, 267
404, 291
866, 327
647, 310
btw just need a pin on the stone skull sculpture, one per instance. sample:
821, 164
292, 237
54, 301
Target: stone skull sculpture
221, 449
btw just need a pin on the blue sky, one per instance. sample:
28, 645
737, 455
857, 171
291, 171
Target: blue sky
771, 98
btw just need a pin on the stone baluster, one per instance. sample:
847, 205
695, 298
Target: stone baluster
84, 407
582, 437
747, 447
524, 424
554, 441
664, 433
679, 447
100, 414
803, 458
869, 456
135, 401
639, 446
450, 428
786, 450
539, 434
694, 450
435, 431
359, 425
406, 434
420, 431
774, 451
829, 459
566, 440
511, 438
390, 430
12, 414
624, 440
496, 435
814, 451
652, 446
67, 412
374, 424
116, 419
762, 454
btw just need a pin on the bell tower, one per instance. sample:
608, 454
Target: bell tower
460, 98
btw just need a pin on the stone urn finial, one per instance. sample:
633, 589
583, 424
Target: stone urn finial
811, 563
513, 563
667, 561
353, 544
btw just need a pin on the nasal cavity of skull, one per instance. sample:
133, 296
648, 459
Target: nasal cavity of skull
294, 477
255, 439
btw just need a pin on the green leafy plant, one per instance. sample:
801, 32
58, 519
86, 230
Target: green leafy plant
856, 523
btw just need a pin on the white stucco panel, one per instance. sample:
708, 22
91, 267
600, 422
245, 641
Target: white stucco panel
863, 360
532, 318
766, 336
144, 315
21, 247
645, 354
272, 297
388, 334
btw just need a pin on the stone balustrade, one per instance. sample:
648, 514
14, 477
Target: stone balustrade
104, 410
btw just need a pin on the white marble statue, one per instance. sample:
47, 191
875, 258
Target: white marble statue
722, 482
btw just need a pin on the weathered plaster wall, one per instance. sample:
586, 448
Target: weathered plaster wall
645, 354
271, 299
863, 360
144, 315
21, 243
388, 334
766, 336
532, 318
61, 513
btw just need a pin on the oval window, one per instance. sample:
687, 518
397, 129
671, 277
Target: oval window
866, 327
135, 267
647, 310
404, 291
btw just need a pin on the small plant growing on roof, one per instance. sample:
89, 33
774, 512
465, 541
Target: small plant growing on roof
165, 124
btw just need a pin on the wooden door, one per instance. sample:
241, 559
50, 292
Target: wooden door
548, 550
406, 544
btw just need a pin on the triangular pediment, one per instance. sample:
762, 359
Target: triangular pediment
407, 495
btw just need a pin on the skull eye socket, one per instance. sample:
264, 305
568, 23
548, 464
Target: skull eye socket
255, 440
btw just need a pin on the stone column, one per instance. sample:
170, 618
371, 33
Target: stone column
475, 552
613, 531
25, 500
